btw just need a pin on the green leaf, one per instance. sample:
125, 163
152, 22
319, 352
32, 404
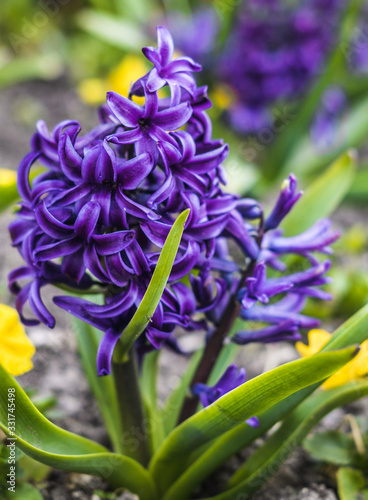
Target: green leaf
32, 470
352, 132
53, 446
244, 402
25, 491
103, 388
21, 69
359, 187
155, 288
113, 30
351, 484
267, 459
332, 447
322, 197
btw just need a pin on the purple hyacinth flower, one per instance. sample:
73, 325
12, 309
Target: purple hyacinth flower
286, 330
176, 73
273, 52
318, 238
196, 35
145, 125
326, 130
103, 207
259, 289
288, 308
285, 202
232, 378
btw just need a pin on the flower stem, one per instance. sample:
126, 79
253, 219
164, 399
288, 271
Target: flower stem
134, 439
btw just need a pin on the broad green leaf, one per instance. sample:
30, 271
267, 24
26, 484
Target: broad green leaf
276, 449
332, 447
322, 197
155, 288
21, 69
267, 459
118, 32
244, 402
88, 339
353, 331
351, 133
53, 446
359, 188
351, 484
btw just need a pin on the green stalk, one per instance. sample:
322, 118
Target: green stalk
135, 439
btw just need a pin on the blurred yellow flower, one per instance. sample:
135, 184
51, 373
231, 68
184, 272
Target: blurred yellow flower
7, 177
357, 368
132, 67
16, 350
222, 97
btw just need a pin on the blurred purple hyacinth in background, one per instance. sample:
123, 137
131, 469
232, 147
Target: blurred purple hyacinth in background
274, 51
98, 214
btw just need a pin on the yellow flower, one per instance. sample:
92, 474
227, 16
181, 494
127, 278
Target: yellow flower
129, 70
16, 350
93, 91
132, 67
7, 177
357, 368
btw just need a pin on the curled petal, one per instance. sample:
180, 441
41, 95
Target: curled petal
119, 304
56, 250
286, 330
165, 45
110, 243
50, 224
86, 221
173, 118
134, 208
125, 110
70, 161
24, 187
38, 307
105, 352
132, 172
209, 229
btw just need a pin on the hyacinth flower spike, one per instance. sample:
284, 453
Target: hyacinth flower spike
100, 213
135, 212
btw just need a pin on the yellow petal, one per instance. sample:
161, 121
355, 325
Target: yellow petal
222, 97
316, 340
357, 368
16, 350
93, 91
127, 72
7, 177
